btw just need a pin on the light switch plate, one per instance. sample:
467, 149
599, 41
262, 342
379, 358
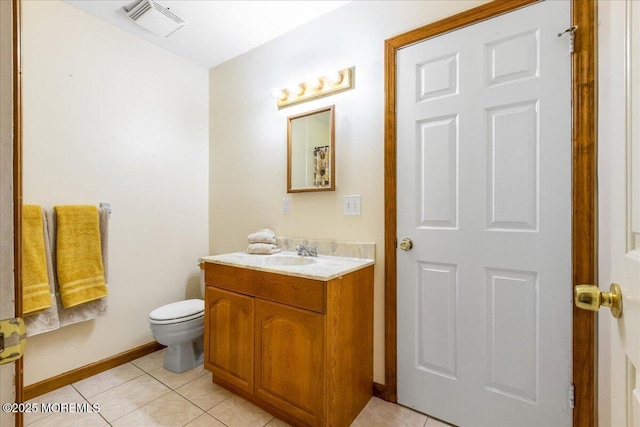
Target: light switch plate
286, 205
351, 205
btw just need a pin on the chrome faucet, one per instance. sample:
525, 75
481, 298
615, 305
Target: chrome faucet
303, 251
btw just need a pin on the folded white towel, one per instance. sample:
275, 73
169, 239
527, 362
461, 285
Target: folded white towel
262, 248
264, 235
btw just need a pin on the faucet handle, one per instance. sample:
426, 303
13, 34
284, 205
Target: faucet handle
304, 251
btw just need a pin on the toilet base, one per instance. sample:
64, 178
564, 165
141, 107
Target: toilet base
182, 357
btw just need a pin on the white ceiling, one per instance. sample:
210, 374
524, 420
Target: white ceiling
216, 31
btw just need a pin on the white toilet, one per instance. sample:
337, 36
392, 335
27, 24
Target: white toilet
180, 326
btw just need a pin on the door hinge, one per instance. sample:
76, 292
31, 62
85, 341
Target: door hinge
572, 36
13, 336
572, 396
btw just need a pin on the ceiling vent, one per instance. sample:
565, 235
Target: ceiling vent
155, 18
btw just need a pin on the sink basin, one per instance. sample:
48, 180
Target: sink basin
285, 260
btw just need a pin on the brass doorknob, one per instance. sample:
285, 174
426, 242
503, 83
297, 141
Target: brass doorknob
406, 244
589, 297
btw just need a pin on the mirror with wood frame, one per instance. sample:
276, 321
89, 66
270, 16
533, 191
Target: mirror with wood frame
310, 151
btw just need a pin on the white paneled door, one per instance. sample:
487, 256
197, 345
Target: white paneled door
619, 210
484, 193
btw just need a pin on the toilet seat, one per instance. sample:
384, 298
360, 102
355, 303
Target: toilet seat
176, 312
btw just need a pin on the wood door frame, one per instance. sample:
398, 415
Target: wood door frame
17, 190
584, 190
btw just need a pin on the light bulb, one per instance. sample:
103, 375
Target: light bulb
278, 94
334, 77
313, 82
295, 89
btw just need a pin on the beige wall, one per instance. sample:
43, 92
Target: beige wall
248, 133
109, 117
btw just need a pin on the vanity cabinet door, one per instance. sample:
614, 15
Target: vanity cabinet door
290, 360
228, 337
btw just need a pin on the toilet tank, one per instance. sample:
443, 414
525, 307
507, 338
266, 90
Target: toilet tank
202, 280
201, 264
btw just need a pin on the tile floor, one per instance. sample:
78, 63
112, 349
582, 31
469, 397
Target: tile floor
143, 393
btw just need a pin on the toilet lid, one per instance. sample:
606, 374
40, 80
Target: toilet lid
178, 311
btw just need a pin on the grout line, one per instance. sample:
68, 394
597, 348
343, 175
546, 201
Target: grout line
148, 355
135, 409
178, 386
194, 403
105, 420
269, 422
159, 397
110, 388
196, 378
169, 390
223, 400
87, 400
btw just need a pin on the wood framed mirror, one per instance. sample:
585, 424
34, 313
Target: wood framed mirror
310, 151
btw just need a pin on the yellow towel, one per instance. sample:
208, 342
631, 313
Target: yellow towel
36, 292
79, 257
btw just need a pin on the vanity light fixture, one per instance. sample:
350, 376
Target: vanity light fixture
314, 87
313, 82
279, 94
296, 89
335, 77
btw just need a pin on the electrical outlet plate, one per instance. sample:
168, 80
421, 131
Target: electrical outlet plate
351, 205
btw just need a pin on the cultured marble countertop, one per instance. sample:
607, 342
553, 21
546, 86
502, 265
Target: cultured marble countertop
322, 267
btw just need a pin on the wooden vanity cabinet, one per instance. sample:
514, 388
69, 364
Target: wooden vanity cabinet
229, 336
289, 369
309, 360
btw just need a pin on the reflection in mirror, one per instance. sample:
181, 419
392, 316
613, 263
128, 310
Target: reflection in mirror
310, 153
